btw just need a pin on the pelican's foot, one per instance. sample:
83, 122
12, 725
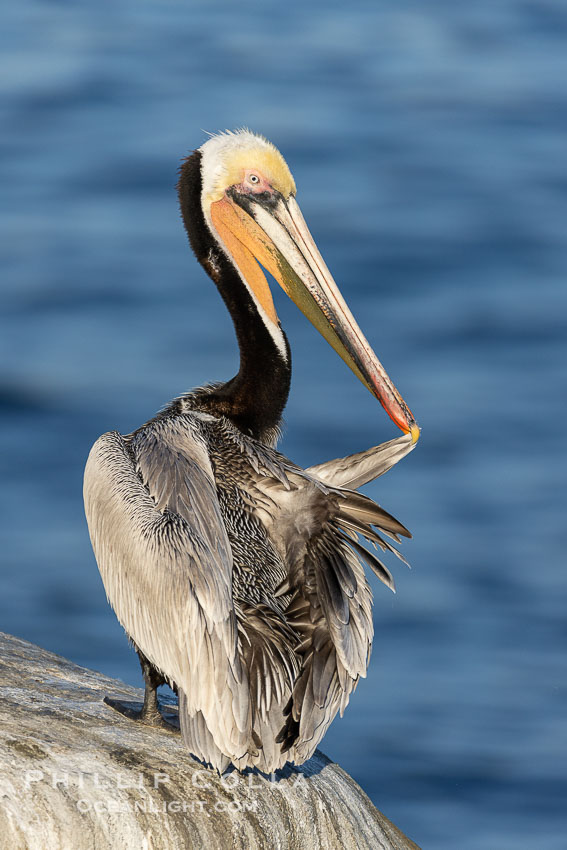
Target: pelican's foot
148, 715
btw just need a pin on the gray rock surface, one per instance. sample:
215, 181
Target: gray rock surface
74, 774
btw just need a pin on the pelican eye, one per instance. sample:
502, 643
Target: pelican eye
253, 178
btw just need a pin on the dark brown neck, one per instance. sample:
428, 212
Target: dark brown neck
255, 398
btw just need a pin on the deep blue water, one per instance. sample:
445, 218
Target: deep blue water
428, 142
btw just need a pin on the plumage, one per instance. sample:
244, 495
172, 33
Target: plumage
238, 575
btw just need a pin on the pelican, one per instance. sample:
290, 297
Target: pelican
237, 575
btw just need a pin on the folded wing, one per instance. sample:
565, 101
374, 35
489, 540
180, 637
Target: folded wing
166, 564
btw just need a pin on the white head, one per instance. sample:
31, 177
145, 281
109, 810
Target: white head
248, 202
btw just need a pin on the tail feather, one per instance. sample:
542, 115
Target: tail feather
198, 738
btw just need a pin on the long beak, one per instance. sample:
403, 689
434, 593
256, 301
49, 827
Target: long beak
278, 237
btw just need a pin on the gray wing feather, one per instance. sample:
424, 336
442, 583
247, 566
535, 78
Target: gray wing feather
330, 606
166, 564
358, 469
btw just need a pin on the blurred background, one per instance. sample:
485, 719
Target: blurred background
428, 144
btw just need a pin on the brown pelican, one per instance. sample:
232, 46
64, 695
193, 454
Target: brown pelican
238, 575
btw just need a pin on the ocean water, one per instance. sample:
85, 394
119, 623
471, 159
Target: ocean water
428, 143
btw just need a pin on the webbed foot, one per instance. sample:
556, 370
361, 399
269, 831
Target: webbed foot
149, 714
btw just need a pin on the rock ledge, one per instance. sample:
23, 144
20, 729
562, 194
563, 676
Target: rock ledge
75, 775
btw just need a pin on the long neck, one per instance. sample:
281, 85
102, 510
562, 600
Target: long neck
255, 398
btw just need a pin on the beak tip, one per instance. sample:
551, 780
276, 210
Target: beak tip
415, 433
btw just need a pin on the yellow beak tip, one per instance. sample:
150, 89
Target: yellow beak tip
415, 433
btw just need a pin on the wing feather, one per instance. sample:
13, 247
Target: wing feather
166, 564
356, 470
330, 604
